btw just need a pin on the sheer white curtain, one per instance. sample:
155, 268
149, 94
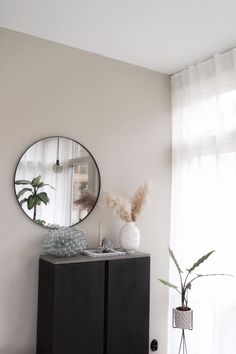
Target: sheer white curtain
39, 160
204, 198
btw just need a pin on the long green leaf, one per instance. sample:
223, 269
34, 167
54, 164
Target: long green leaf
188, 286
22, 181
168, 284
43, 197
200, 261
214, 274
175, 260
23, 201
23, 191
45, 184
36, 181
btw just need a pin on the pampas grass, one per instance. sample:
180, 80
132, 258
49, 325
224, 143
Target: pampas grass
129, 209
86, 200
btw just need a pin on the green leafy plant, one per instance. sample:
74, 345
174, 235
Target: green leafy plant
35, 197
187, 280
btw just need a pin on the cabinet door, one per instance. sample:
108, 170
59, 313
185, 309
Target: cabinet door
127, 319
45, 308
79, 308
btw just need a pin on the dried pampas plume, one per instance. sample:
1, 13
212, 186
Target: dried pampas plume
128, 210
119, 205
86, 200
140, 200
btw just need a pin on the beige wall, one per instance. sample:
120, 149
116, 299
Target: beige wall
121, 113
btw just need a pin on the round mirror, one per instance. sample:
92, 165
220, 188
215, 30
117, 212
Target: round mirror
57, 181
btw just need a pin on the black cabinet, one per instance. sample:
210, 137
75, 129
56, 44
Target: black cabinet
93, 306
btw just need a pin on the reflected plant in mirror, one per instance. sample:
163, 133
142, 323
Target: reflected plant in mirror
35, 198
57, 181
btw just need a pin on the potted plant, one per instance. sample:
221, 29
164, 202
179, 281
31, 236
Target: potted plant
183, 315
35, 197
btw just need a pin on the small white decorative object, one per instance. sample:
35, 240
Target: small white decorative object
129, 237
183, 319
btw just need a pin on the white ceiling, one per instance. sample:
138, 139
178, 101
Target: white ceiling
163, 35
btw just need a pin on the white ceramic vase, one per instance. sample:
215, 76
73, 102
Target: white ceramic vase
129, 237
183, 319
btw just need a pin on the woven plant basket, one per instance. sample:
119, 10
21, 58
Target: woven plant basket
182, 318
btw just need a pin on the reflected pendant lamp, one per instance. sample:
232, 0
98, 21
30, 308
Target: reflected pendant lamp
57, 167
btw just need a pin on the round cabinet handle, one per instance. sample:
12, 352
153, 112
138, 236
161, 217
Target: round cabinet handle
154, 345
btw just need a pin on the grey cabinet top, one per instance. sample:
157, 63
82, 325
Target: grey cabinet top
84, 259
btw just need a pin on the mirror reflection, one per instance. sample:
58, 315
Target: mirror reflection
57, 181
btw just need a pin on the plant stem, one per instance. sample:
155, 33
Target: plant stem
35, 193
186, 279
34, 216
182, 290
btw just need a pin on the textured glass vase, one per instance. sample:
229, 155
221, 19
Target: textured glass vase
64, 241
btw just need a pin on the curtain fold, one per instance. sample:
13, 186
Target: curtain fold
204, 198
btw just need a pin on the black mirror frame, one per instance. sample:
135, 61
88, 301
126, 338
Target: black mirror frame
65, 137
